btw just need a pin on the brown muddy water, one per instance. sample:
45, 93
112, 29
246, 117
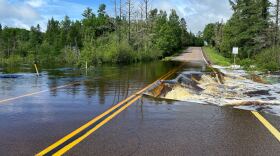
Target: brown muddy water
30, 124
113, 83
233, 88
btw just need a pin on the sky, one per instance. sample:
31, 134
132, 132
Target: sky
25, 13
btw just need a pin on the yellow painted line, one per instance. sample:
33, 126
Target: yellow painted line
72, 144
77, 141
56, 144
35, 93
272, 129
269, 126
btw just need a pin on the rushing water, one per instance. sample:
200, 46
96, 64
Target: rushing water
109, 84
239, 89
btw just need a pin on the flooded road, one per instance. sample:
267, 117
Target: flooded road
34, 122
150, 126
232, 88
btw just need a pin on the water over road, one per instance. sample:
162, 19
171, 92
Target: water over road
148, 127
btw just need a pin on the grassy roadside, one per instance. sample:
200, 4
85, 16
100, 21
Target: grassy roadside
215, 57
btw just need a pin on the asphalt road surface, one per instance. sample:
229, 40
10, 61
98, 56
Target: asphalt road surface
147, 127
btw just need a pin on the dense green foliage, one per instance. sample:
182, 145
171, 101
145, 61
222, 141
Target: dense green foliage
268, 59
252, 29
98, 38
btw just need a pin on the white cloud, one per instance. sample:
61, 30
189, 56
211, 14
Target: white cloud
18, 15
198, 13
36, 3
25, 13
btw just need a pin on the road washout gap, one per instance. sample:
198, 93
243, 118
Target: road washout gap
222, 87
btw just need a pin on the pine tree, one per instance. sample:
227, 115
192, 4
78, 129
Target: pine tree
209, 34
88, 14
65, 39
52, 36
35, 39
1, 40
246, 28
184, 32
277, 11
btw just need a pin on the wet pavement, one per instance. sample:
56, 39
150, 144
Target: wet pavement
149, 127
161, 128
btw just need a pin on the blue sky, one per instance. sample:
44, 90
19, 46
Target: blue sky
25, 13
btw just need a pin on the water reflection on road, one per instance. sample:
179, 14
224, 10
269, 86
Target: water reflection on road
32, 123
104, 85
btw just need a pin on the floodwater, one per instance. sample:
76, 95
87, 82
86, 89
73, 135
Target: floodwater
233, 88
32, 123
99, 82
114, 83
42, 118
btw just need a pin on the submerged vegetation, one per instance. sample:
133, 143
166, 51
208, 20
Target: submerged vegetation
98, 38
254, 28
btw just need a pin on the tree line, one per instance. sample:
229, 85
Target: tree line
135, 33
254, 28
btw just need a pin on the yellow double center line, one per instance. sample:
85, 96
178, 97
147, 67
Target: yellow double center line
72, 139
265, 122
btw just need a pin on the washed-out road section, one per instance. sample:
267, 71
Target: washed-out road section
148, 127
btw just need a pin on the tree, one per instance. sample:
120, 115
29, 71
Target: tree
88, 14
93, 38
184, 33
75, 34
119, 22
103, 22
88, 24
52, 35
0, 28
170, 33
246, 28
35, 39
218, 34
146, 4
101, 10
1, 40
65, 26
115, 9
277, 11
129, 14
174, 24
209, 34
120, 9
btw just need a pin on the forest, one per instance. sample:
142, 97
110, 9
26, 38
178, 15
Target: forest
131, 35
254, 28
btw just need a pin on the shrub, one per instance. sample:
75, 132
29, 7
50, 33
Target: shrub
69, 55
247, 63
268, 59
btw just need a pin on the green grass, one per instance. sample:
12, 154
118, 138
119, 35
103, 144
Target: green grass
215, 57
